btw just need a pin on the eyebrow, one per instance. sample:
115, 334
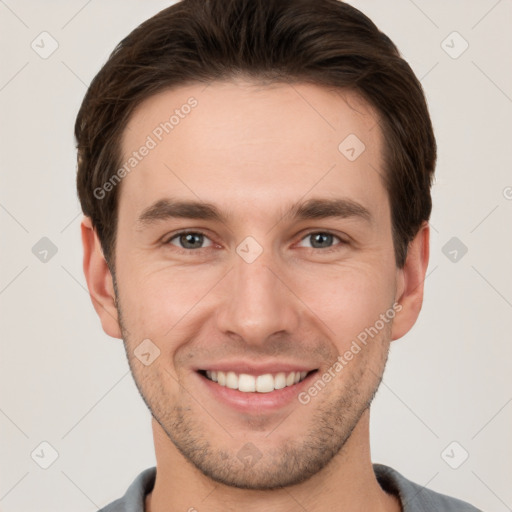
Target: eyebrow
165, 209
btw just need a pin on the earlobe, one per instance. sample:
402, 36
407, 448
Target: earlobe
410, 280
99, 280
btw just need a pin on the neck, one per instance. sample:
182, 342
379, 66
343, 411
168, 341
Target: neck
346, 483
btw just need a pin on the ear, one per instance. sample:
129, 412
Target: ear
410, 281
99, 280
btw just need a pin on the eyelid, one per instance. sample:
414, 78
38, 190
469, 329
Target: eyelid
323, 232
167, 240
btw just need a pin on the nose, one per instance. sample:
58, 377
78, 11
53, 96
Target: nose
259, 302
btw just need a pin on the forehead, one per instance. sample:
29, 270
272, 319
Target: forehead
251, 145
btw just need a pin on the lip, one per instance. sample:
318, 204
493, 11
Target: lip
255, 369
255, 402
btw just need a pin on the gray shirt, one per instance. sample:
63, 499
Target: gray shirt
413, 497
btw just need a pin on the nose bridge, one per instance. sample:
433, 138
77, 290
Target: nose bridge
258, 304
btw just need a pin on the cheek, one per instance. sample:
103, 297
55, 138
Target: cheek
157, 303
348, 300
169, 303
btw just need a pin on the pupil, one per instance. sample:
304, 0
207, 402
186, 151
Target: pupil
189, 239
325, 236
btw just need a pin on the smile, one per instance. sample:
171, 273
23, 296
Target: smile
246, 383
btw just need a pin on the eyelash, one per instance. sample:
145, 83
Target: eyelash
192, 251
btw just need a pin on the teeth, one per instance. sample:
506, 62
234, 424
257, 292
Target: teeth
246, 383
265, 383
280, 381
221, 378
232, 380
249, 383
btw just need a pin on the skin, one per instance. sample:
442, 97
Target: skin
252, 150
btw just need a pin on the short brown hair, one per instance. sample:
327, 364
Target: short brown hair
323, 42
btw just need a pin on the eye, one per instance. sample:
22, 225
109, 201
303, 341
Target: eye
189, 240
321, 240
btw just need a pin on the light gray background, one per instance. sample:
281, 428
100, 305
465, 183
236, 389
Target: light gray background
63, 381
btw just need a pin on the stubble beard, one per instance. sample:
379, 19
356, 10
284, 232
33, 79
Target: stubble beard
296, 459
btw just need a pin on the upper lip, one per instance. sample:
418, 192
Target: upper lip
253, 368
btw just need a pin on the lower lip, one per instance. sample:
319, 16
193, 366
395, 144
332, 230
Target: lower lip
256, 402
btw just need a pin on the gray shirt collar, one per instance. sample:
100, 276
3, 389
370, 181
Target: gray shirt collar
413, 497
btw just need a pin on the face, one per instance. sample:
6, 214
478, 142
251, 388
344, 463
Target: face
270, 287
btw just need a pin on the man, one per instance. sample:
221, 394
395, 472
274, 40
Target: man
255, 178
